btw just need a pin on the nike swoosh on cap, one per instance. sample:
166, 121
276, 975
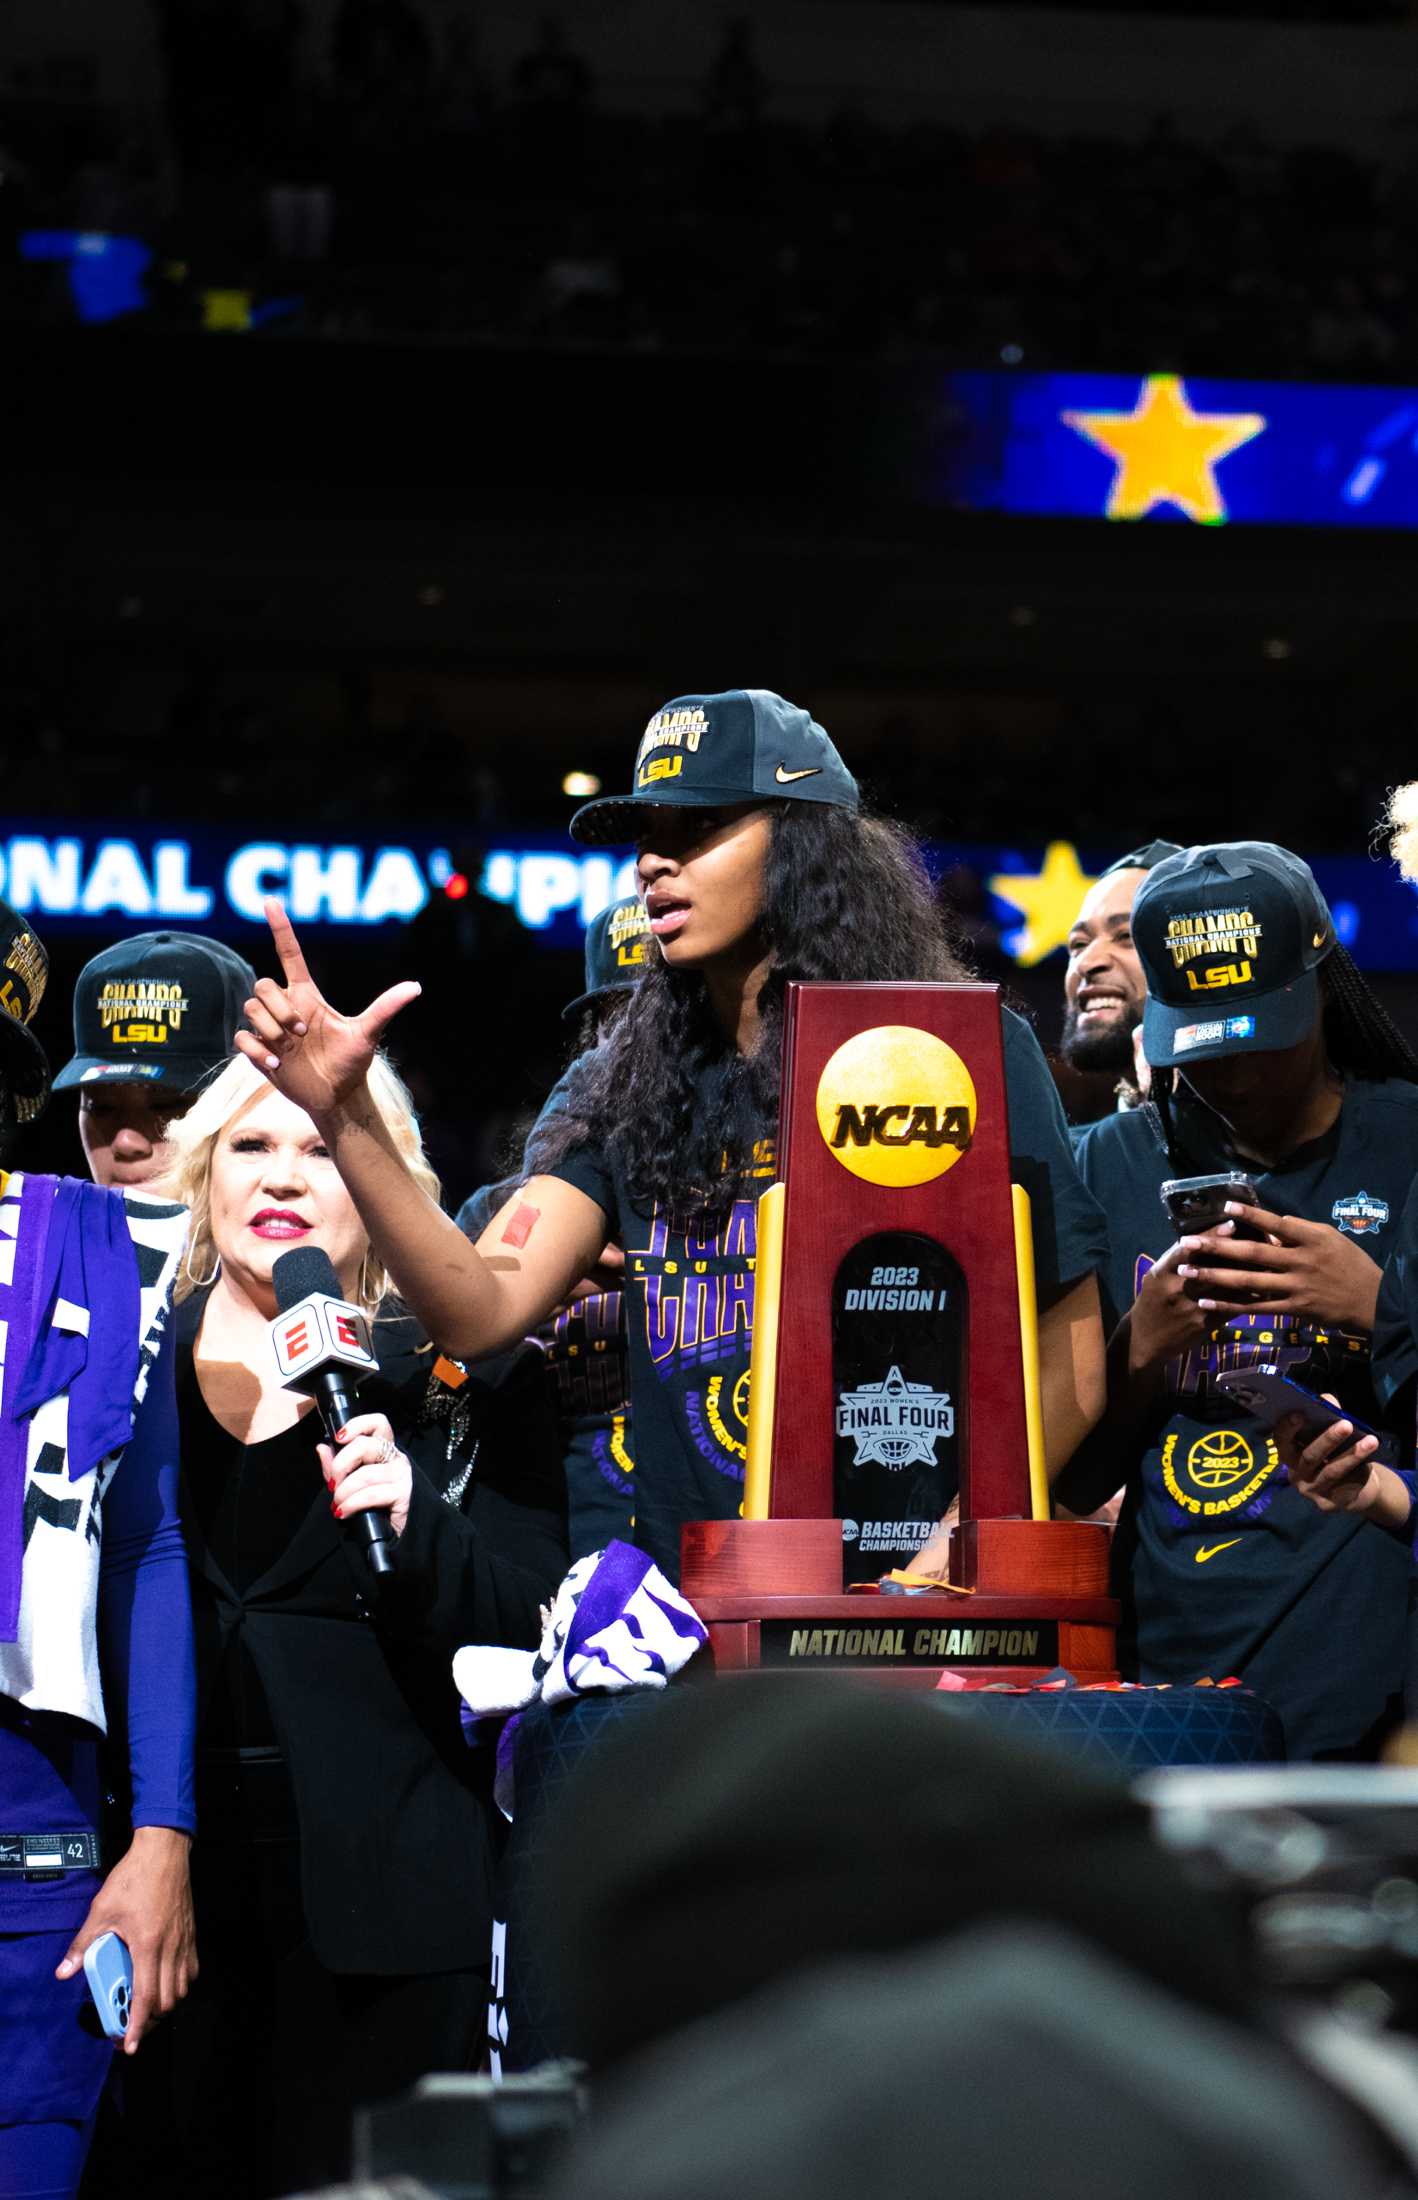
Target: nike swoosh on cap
785, 779
1319, 939
1209, 1550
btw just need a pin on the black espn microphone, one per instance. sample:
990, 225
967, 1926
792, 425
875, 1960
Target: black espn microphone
322, 1350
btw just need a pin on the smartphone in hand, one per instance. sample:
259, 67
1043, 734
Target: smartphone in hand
1197, 1203
1269, 1395
108, 1967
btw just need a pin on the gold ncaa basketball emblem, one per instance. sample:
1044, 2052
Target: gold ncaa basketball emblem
1216, 1461
896, 1105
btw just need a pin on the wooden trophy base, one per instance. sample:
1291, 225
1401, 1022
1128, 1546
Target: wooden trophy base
1031, 1595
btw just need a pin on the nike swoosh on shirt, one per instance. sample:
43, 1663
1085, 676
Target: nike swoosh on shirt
1209, 1550
785, 779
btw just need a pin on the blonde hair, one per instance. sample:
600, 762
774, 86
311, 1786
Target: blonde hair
1401, 819
194, 1138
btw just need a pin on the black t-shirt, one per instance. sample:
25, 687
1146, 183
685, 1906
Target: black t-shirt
588, 1364
1396, 1324
689, 1298
1224, 1568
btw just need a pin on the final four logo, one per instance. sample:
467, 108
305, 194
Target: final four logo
894, 1421
1359, 1214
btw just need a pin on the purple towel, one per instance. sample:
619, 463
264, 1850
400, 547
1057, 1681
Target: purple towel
19, 1308
74, 1244
90, 1260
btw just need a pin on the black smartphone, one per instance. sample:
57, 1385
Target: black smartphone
1197, 1203
1269, 1395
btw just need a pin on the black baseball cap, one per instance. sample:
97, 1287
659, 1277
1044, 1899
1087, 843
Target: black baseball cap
162, 1007
1231, 937
1145, 858
617, 945
746, 745
24, 1065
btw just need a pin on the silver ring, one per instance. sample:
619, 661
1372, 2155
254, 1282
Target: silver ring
385, 1452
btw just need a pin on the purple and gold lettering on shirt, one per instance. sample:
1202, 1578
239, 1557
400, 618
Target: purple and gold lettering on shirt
586, 1354
661, 1304
698, 1286
1245, 1340
699, 1321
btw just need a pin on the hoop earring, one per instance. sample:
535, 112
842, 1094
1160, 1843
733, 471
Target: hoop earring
200, 1283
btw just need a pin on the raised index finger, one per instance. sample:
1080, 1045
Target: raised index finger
287, 945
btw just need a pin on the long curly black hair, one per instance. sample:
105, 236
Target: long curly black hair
667, 1096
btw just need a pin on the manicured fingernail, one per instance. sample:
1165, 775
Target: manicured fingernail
273, 1061
1191, 1245
1208, 1306
299, 1030
343, 1434
1183, 1270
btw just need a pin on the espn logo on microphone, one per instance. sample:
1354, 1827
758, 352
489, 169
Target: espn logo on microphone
321, 1332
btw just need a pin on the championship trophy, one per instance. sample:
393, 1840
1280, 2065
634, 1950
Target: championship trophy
895, 1367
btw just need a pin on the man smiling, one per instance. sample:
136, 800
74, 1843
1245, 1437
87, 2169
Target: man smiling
1104, 989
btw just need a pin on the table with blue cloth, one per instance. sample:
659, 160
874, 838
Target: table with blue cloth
1129, 1730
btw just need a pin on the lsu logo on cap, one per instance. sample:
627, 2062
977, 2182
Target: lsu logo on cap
1232, 934
628, 935
896, 1105
664, 743
21, 994
141, 1011
1359, 1214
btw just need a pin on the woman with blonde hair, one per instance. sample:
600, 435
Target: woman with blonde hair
344, 1866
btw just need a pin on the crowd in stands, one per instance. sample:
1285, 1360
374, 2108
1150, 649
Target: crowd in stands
388, 184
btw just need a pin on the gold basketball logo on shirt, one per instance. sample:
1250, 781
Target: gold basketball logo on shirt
896, 1105
1219, 1473
1215, 1462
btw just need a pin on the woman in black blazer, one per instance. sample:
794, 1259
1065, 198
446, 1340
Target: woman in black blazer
346, 1834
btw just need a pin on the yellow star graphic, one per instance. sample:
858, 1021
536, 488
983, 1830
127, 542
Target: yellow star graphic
1165, 452
1048, 902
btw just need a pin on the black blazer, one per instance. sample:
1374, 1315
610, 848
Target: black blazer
395, 1811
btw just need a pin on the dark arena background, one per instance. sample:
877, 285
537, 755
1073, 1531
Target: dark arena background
403, 398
